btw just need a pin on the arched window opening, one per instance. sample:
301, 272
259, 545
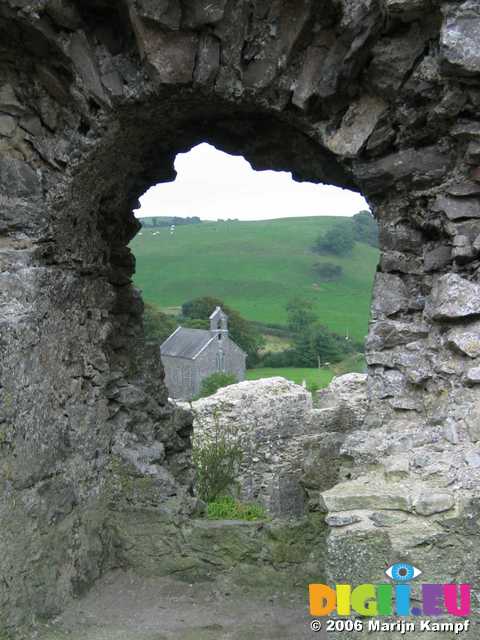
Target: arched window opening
281, 270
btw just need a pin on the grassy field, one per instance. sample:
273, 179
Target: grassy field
321, 377
255, 267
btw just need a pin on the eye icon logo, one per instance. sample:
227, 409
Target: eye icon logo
402, 572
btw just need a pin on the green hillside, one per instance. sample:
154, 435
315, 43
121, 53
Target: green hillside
255, 267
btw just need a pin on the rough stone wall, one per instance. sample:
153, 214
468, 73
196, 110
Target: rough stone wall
291, 448
96, 98
268, 419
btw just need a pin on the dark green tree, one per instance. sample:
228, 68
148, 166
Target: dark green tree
300, 314
365, 228
327, 271
339, 240
216, 381
241, 330
157, 325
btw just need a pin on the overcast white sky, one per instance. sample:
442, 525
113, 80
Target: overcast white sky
212, 184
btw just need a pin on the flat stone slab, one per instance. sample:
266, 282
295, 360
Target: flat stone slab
123, 606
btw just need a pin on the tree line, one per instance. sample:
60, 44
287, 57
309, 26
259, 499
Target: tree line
167, 221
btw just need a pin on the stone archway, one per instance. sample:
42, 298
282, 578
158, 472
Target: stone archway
96, 99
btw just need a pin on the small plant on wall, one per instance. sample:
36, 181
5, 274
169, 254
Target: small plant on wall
217, 454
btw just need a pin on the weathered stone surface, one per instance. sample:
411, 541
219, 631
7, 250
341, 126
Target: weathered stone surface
199, 13
459, 39
387, 518
270, 47
390, 295
458, 208
422, 167
86, 65
104, 98
466, 339
171, 55
208, 61
9, 102
357, 125
397, 467
406, 9
18, 179
268, 417
393, 58
473, 459
464, 189
429, 503
342, 520
466, 129
388, 334
343, 405
437, 258
473, 375
7, 125
453, 298
64, 13
166, 12
361, 494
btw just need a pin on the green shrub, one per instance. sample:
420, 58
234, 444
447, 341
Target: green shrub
158, 326
327, 271
227, 508
313, 387
339, 240
365, 228
215, 382
217, 455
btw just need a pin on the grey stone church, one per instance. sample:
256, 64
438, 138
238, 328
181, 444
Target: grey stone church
191, 355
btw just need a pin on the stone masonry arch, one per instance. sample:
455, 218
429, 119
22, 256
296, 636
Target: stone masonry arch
96, 99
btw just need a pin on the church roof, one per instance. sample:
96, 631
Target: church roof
186, 343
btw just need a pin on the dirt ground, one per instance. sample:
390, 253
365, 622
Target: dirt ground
123, 606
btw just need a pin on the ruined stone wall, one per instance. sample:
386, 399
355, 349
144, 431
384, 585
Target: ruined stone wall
96, 98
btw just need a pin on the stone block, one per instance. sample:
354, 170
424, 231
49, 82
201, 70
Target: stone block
390, 333
465, 340
437, 258
387, 518
464, 189
459, 40
9, 103
396, 467
472, 420
420, 167
198, 13
406, 10
473, 375
287, 498
170, 54
472, 458
458, 208
84, 61
431, 502
7, 125
18, 179
342, 520
390, 295
452, 298
357, 125
466, 130
167, 13
367, 495
208, 60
